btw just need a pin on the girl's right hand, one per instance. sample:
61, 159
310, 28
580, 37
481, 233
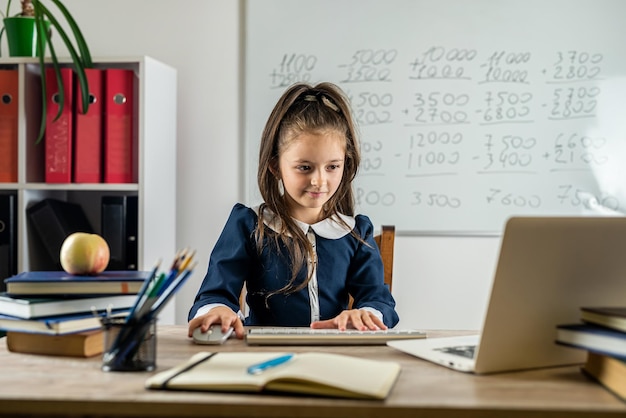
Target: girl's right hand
360, 319
218, 315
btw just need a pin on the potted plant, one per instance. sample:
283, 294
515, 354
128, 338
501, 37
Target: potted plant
43, 23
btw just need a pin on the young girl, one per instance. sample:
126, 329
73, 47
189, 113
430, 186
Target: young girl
302, 251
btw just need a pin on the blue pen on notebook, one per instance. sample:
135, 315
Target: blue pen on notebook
264, 365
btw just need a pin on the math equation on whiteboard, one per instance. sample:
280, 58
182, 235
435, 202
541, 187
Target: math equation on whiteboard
461, 130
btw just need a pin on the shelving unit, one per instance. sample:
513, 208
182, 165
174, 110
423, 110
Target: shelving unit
155, 179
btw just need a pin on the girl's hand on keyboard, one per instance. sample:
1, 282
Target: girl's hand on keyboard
360, 319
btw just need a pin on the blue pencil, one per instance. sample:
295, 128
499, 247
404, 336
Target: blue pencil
170, 291
144, 288
152, 297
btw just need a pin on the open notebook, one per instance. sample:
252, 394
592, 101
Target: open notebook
313, 373
548, 268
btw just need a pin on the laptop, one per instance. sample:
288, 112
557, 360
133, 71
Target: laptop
547, 269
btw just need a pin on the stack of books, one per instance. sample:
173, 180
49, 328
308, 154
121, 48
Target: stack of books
603, 334
56, 313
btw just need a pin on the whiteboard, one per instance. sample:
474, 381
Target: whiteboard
469, 112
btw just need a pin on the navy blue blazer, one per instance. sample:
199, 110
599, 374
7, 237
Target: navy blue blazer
345, 265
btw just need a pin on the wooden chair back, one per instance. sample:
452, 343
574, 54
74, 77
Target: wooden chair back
385, 241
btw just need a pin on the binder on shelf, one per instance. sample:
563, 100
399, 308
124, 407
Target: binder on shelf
8, 125
118, 126
8, 237
58, 138
53, 220
119, 216
87, 158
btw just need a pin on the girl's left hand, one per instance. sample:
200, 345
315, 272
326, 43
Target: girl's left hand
360, 319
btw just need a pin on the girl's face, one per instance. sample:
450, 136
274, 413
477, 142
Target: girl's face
311, 167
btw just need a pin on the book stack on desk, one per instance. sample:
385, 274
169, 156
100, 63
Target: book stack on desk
603, 334
53, 312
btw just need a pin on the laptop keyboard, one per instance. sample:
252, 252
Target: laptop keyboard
463, 350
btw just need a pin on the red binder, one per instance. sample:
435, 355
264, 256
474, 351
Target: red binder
119, 158
59, 132
8, 126
88, 131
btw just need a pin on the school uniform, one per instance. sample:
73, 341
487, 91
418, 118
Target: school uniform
344, 265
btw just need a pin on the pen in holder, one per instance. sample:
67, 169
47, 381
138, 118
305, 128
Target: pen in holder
129, 345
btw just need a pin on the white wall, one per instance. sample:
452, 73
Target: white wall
443, 282
439, 282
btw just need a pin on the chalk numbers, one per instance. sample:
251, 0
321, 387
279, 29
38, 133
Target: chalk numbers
369, 65
507, 67
573, 196
435, 200
292, 68
509, 151
446, 122
576, 94
504, 106
512, 199
433, 149
372, 160
369, 197
574, 102
438, 62
371, 108
576, 150
440, 108
575, 65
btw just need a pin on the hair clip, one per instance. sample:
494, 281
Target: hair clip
329, 104
323, 99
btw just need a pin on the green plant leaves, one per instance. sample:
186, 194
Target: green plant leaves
78, 49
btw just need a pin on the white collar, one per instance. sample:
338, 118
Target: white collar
329, 228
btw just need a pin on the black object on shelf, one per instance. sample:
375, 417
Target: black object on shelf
53, 220
119, 229
8, 237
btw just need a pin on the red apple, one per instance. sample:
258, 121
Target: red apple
84, 253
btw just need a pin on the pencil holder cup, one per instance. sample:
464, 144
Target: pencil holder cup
129, 346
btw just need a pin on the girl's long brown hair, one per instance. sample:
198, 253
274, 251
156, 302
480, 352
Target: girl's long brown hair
304, 109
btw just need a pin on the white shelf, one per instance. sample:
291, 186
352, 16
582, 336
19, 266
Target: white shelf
155, 139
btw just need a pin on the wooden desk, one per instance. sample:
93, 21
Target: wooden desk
32, 385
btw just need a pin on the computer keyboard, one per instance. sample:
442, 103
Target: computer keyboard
308, 336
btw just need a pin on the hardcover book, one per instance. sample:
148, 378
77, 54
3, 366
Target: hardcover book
612, 317
36, 283
322, 374
26, 308
609, 371
81, 344
593, 338
56, 325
